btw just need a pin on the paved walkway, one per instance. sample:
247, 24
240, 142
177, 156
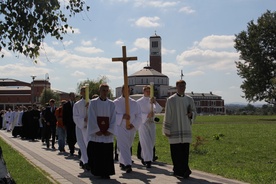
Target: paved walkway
65, 169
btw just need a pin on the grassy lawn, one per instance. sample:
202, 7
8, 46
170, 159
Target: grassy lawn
237, 147
20, 169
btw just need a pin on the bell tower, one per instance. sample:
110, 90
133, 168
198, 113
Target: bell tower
155, 53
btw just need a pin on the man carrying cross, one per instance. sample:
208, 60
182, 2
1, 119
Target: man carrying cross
128, 118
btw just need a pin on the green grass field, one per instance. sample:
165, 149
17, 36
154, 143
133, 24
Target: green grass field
20, 169
237, 147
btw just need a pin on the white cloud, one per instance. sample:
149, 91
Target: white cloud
166, 51
133, 49
195, 73
86, 43
78, 74
217, 42
171, 69
6, 53
208, 53
67, 43
155, 3
88, 50
186, 9
119, 42
18, 70
148, 22
142, 43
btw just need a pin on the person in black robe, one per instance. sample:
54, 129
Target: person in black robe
68, 122
34, 123
51, 120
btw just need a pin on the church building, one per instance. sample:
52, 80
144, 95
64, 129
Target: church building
206, 103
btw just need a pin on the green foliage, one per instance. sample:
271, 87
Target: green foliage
20, 169
94, 86
48, 94
25, 24
218, 136
257, 48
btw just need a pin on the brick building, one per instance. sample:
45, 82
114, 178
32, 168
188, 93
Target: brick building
15, 92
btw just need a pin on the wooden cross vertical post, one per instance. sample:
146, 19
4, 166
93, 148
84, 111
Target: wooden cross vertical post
125, 59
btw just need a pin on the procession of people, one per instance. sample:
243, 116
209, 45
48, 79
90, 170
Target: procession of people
94, 124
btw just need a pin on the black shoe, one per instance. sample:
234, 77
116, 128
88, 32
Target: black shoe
81, 164
155, 158
86, 167
123, 167
105, 177
53, 147
128, 169
143, 162
187, 174
148, 164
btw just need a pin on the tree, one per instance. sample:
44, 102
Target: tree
257, 49
48, 94
94, 86
25, 24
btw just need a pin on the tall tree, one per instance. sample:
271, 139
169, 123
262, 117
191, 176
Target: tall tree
257, 64
94, 86
24, 24
48, 94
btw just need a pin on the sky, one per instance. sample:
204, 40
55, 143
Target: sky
197, 37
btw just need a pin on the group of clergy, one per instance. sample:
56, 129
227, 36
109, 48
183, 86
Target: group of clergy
102, 120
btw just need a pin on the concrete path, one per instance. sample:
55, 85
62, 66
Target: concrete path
65, 169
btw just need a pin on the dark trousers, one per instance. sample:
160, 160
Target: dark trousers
180, 158
50, 131
71, 138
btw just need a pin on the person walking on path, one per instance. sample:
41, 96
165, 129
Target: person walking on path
179, 115
80, 118
67, 117
148, 106
61, 132
51, 121
125, 136
101, 129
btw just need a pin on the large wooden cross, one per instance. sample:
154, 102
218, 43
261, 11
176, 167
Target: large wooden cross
125, 59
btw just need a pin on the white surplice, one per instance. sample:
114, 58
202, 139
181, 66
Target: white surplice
147, 128
79, 113
125, 137
97, 108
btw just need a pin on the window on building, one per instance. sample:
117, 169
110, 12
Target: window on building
154, 44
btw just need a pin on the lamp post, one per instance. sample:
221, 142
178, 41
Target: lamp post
46, 80
32, 89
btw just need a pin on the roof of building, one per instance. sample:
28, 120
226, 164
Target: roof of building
192, 94
147, 72
10, 82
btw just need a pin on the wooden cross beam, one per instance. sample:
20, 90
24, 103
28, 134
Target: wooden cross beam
125, 59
